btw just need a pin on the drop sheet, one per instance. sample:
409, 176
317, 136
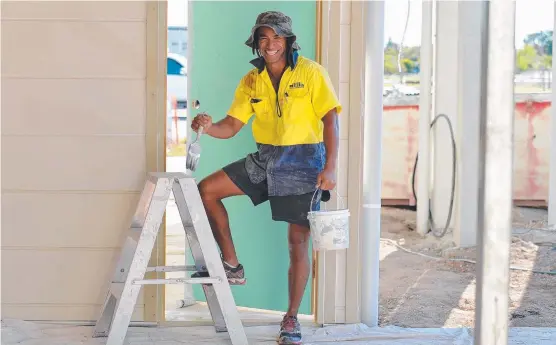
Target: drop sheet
29, 333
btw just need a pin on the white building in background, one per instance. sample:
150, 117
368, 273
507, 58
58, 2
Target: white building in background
176, 82
176, 95
177, 40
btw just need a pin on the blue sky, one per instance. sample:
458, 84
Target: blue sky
531, 16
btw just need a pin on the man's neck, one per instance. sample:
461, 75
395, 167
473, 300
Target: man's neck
277, 69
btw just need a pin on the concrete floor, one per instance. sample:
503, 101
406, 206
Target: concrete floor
28, 333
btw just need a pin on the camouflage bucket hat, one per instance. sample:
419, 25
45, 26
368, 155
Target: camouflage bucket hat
278, 21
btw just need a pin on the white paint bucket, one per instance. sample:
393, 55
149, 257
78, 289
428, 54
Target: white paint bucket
329, 229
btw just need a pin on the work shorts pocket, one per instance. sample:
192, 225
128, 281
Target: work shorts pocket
255, 168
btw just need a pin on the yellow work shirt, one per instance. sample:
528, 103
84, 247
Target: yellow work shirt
291, 116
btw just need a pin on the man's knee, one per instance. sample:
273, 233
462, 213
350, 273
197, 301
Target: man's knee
206, 189
298, 240
298, 234
216, 187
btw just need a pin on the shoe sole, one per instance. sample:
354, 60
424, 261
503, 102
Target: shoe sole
231, 281
288, 342
236, 281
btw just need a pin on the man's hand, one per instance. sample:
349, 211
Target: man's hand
223, 129
201, 119
327, 179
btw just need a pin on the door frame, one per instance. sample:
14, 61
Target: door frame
156, 50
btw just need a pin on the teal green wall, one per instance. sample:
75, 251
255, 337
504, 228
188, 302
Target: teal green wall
219, 58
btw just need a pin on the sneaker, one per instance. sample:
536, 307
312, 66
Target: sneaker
290, 331
236, 275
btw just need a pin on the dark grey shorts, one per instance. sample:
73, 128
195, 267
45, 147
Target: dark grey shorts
291, 209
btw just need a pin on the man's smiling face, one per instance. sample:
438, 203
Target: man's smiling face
271, 46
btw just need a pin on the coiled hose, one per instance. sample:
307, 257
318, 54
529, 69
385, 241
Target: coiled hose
452, 196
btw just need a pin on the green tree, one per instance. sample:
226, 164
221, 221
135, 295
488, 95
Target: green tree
408, 65
547, 61
541, 41
527, 58
410, 58
390, 60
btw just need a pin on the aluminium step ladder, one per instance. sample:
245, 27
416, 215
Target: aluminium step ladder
132, 265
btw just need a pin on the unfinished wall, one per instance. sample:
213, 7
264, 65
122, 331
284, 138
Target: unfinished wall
76, 144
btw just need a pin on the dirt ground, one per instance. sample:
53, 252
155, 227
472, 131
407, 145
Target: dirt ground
416, 291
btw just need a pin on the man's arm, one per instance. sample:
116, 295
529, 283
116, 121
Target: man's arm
331, 139
327, 107
236, 117
326, 180
225, 128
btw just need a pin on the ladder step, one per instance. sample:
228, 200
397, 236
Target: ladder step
208, 280
189, 268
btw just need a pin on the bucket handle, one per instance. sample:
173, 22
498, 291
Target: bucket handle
315, 193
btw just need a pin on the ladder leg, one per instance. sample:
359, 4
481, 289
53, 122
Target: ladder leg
215, 308
198, 257
116, 285
123, 293
102, 326
219, 296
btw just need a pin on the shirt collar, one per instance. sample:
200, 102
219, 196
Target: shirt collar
260, 64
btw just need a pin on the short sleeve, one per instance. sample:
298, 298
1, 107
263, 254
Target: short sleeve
241, 107
323, 96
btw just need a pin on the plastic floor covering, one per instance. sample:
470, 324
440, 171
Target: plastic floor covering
29, 333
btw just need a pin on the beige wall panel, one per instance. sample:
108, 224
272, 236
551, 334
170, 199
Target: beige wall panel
344, 116
66, 219
343, 170
345, 13
62, 312
345, 45
75, 10
74, 163
73, 106
74, 150
353, 262
73, 49
75, 276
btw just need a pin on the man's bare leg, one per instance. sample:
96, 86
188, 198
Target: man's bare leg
298, 238
213, 189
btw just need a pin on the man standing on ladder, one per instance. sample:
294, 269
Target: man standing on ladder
296, 130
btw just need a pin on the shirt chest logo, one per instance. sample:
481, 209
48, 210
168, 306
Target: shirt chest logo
297, 85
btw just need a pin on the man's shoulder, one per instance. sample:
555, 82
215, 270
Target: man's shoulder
310, 66
249, 79
305, 62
